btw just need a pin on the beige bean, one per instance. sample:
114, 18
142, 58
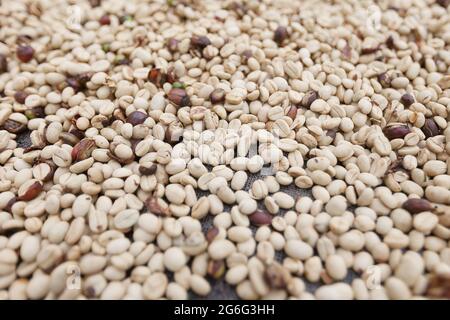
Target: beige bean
220, 249
174, 259
337, 291
298, 249
199, 285
155, 286
335, 266
126, 218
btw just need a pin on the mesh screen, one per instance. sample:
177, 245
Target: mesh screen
220, 289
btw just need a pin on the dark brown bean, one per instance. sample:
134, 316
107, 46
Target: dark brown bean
179, 97
276, 276
309, 98
78, 83
83, 149
23, 39
25, 53
172, 45
20, 96
148, 169
50, 175
396, 165
443, 3
246, 54
134, 143
73, 83
407, 99
39, 112
10, 204
370, 50
78, 133
173, 134
84, 78
157, 77
390, 42
384, 79
33, 191
36, 112
13, 126
137, 117
332, 133
200, 42
154, 207
171, 77
217, 96
105, 20
211, 234
89, 292
438, 287
3, 64
430, 128
260, 218
396, 132
417, 205
280, 35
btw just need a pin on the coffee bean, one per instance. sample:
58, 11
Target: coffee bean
417, 205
